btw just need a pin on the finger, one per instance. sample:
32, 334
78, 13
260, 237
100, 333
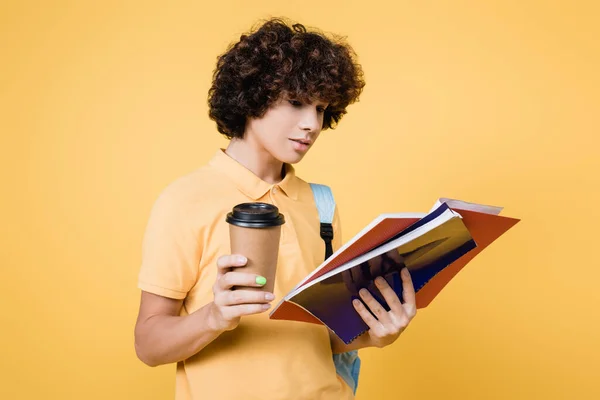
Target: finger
375, 266
245, 309
225, 263
396, 256
374, 306
237, 297
390, 297
358, 274
408, 292
349, 281
234, 278
231, 260
366, 316
393, 262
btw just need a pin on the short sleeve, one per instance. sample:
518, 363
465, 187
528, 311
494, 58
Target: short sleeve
171, 250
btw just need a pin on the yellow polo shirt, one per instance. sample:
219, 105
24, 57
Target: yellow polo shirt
186, 233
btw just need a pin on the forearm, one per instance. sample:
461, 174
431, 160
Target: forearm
164, 339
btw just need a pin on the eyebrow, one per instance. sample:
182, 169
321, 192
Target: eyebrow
321, 102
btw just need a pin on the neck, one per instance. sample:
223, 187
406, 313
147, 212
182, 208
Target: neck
257, 160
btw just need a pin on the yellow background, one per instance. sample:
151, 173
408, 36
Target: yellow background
104, 103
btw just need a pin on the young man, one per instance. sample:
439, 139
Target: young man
272, 94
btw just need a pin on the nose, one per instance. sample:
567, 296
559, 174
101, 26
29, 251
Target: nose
310, 120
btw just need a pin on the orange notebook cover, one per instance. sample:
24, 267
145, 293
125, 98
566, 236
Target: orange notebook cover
485, 229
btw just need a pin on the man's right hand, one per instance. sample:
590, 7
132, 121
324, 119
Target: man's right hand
230, 305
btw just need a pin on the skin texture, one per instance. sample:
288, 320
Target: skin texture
272, 140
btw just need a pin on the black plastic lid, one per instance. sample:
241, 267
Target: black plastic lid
255, 215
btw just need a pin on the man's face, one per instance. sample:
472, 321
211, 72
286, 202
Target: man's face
288, 129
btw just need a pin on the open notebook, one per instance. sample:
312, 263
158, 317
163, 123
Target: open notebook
434, 246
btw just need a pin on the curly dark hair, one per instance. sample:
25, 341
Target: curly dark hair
276, 60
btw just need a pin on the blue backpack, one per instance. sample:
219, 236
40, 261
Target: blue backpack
347, 365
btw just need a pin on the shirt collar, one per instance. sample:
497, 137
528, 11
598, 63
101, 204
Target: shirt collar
250, 184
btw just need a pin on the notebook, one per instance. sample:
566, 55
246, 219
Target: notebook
434, 246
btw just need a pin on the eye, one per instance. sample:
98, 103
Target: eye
321, 109
295, 103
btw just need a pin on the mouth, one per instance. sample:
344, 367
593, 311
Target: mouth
306, 142
301, 145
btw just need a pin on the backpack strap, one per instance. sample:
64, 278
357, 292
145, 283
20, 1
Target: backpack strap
326, 207
347, 365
